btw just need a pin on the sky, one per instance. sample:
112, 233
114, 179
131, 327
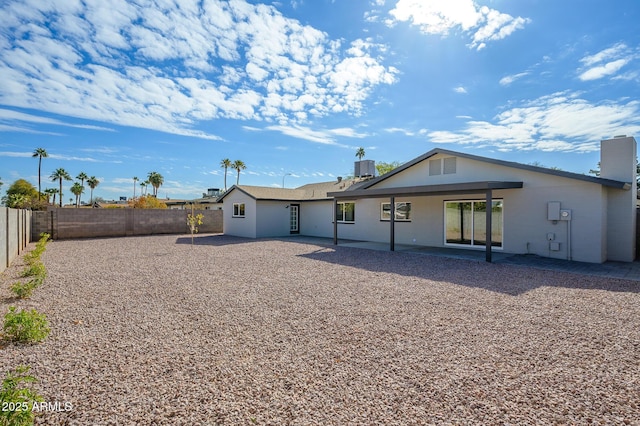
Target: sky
293, 88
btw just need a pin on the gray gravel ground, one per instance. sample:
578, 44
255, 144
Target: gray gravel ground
152, 330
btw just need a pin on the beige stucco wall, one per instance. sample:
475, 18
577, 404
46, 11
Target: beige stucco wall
525, 211
240, 227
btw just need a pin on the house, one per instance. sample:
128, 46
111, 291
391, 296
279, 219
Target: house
452, 199
258, 211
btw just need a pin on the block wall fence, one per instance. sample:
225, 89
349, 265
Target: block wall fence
15, 234
65, 223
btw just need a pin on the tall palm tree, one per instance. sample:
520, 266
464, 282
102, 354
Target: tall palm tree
143, 187
82, 176
59, 175
40, 153
156, 180
238, 165
225, 164
92, 182
360, 153
77, 189
135, 179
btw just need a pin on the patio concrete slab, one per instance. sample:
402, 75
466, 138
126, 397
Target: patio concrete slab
621, 270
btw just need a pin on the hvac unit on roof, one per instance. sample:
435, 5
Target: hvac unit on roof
364, 168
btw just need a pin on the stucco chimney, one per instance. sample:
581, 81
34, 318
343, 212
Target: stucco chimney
618, 157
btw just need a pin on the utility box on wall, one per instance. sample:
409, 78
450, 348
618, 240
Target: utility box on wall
553, 210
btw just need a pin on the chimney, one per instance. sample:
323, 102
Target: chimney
618, 157
339, 179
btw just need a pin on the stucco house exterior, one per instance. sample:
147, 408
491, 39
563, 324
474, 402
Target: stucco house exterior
259, 211
440, 199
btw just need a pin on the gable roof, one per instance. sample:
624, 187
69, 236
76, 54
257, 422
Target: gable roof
309, 192
537, 169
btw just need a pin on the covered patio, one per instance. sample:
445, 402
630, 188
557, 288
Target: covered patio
464, 188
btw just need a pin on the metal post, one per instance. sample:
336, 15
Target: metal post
488, 219
335, 222
392, 223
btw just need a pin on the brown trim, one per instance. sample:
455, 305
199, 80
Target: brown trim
426, 190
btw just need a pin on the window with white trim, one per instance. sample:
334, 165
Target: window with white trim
402, 211
346, 212
465, 223
238, 210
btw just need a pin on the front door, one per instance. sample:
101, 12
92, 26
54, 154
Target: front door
294, 218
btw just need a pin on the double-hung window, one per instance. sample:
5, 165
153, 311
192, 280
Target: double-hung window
238, 209
346, 212
402, 212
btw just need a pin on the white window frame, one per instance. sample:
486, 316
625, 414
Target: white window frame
239, 210
340, 208
471, 245
388, 211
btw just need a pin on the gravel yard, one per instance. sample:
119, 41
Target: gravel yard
152, 330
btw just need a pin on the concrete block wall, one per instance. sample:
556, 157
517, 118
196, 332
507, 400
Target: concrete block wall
91, 223
15, 234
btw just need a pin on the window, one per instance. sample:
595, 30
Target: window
346, 212
403, 212
465, 223
238, 209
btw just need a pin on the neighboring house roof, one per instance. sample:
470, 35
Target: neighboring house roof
309, 192
577, 176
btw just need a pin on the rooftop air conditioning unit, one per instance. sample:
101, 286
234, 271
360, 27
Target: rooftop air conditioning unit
364, 168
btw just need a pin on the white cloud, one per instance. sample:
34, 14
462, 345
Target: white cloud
559, 122
606, 62
170, 68
460, 90
441, 17
507, 80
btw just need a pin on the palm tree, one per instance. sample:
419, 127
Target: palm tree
40, 153
59, 175
156, 180
77, 189
143, 187
82, 176
225, 164
52, 191
238, 165
49, 192
360, 153
135, 179
92, 182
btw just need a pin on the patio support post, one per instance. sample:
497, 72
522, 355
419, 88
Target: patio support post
335, 222
392, 224
488, 219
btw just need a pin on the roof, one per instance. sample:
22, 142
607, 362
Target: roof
561, 173
309, 192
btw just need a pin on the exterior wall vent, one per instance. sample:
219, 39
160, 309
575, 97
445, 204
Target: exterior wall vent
449, 165
435, 167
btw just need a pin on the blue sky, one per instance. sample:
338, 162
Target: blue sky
121, 88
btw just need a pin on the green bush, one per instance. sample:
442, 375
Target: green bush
25, 326
17, 398
24, 290
36, 269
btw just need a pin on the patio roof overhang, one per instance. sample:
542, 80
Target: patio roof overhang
483, 187
426, 190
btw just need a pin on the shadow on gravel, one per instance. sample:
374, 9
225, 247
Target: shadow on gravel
502, 278
213, 240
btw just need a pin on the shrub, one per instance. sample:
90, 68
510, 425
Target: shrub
24, 290
25, 326
35, 269
17, 398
